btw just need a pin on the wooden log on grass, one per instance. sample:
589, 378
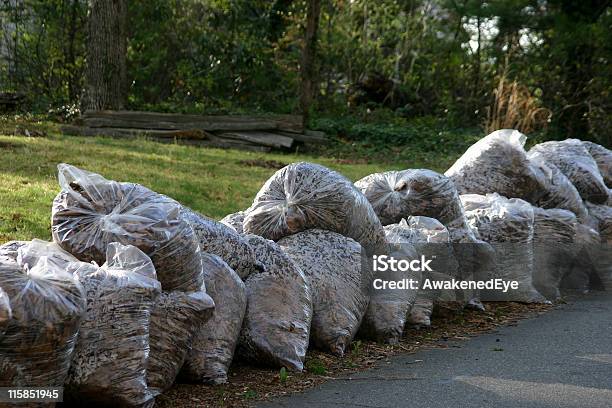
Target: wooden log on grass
269, 139
206, 125
156, 120
193, 134
307, 137
193, 137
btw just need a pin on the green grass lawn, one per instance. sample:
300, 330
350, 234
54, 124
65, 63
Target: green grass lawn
212, 181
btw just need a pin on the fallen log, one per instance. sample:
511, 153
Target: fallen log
289, 123
261, 138
308, 136
206, 125
193, 137
193, 134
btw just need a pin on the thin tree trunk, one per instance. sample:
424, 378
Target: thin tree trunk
70, 55
308, 69
105, 72
478, 47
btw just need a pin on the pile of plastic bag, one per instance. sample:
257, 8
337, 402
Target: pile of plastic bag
179, 295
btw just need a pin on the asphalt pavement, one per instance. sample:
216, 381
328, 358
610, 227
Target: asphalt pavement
560, 359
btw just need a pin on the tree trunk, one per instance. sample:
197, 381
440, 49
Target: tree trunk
105, 72
308, 69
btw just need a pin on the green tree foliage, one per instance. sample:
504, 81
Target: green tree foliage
414, 58
42, 49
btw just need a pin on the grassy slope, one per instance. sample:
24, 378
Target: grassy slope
209, 180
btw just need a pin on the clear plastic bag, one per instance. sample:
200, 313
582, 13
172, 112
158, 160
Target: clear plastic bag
558, 191
218, 239
496, 163
235, 221
603, 158
476, 260
339, 283
90, 212
554, 249
398, 194
177, 318
5, 312
574, 160
430, 239
602, 215
47, 305
279, 310
30, 251
585, 270
110, 359
213, 347
387, 312
304, 196
507, 224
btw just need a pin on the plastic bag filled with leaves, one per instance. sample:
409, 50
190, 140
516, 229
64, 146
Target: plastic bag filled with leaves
31, 251
176, 319
554, 249
304, 196
47, 305
5, 312
430, 239
507, 224
585, 271
602, 217
276, 325
219, 239
388, 309
476, 260
597, 248
398, 194
557, 190
603, 158
574, 160
234, 221
496, 163
110, 359
213, 346
339, 281
90, 212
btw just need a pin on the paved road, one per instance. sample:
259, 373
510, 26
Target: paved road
560, 359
